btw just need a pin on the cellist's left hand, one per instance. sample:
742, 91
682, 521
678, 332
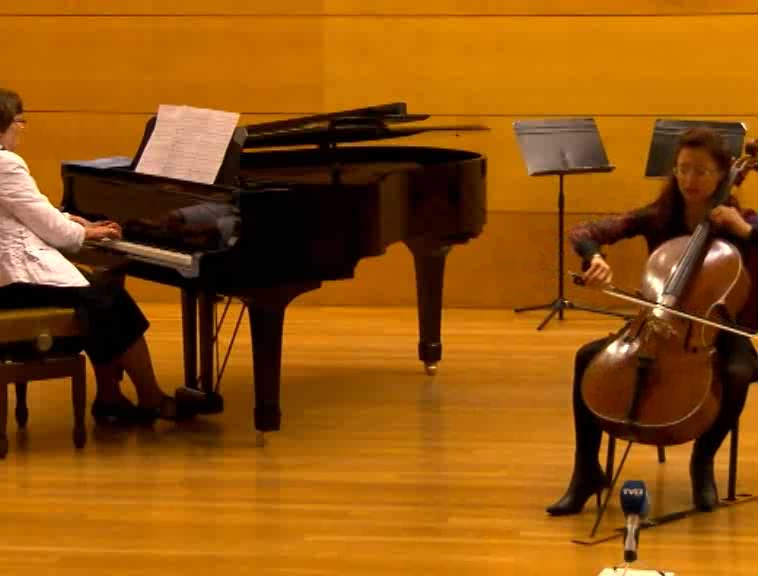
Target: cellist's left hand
729, 219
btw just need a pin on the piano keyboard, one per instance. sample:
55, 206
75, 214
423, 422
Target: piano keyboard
186, 264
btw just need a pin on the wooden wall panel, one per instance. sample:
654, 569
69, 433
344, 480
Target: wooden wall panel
538, 66
91, 72
153, 7
489, 66
382, 7
76, 136
133, 64
538, 7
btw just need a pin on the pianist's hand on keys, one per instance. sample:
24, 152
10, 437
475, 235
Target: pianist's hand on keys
104, 229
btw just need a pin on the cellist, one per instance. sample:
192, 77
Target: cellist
702, 162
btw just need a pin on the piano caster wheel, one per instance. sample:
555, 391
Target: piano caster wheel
260, 440
430, 369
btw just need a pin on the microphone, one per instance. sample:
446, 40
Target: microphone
635, 504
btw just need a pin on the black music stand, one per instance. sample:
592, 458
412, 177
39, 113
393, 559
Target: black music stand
560, 147
660, 159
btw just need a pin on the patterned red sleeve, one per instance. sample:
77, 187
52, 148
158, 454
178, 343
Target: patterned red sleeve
587, 237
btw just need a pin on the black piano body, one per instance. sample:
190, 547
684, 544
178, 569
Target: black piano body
282, 221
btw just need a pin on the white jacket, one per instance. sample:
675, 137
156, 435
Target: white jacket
32, 230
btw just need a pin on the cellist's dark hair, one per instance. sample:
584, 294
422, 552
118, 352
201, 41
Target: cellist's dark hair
669, 205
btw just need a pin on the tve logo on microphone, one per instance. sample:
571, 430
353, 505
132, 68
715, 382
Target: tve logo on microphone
633, 491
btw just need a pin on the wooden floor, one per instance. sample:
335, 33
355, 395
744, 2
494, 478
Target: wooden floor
378, 469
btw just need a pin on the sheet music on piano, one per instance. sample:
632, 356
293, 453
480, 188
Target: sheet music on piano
188, 143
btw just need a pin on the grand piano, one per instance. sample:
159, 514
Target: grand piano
296, 203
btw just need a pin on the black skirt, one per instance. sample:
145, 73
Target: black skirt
111, 319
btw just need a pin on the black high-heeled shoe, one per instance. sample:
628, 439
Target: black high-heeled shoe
704, 492
122, 412
169, 409
584, 483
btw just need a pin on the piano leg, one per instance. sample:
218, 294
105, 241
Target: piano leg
429, 261
198, 328
266, 326
189, 331
206, 331
266, 308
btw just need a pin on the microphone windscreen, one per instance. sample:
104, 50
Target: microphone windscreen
634, 498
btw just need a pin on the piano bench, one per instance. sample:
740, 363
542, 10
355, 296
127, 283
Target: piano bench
27, 353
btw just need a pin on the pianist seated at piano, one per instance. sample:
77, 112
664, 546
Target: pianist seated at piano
35, 273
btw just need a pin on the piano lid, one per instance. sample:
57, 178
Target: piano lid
393, 109
358, 125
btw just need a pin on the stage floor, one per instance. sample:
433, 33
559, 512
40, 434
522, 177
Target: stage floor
378, 468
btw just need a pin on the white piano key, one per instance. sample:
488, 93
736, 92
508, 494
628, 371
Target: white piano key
185, 264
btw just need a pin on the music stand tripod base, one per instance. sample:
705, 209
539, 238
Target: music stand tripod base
559, 305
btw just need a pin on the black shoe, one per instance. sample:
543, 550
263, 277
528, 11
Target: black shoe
584, 483
169, 409
191, 402
704, 493
122, 412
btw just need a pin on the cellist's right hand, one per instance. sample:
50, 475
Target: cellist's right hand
599, 272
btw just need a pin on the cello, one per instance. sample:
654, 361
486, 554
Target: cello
655, 382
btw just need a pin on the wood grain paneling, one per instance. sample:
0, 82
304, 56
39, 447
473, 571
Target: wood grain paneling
538, 7
55, 137
171, 7
488, 66
382, 7
92, 72
134, 64
538, 66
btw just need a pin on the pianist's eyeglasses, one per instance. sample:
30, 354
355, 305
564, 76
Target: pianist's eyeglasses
20, 121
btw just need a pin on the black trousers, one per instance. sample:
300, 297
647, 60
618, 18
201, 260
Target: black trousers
111, 318
738, 367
